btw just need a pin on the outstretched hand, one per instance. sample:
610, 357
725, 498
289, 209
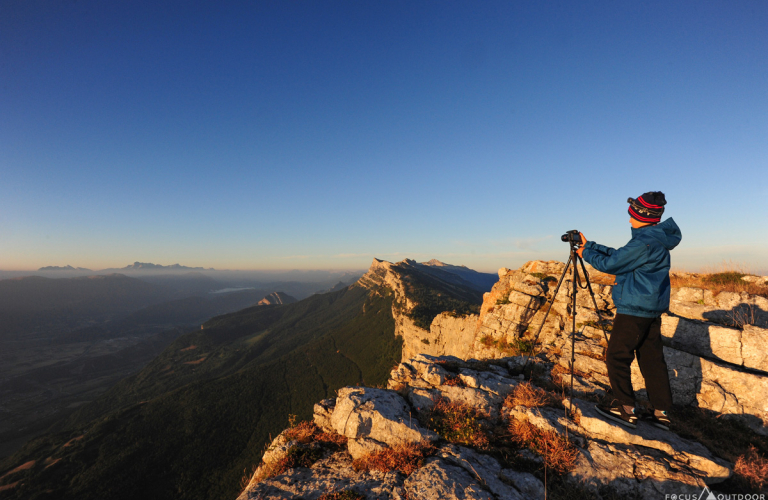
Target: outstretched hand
580, 250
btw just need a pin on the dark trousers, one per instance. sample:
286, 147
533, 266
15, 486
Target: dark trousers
633, 335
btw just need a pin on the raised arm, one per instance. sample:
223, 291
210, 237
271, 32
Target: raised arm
616, 261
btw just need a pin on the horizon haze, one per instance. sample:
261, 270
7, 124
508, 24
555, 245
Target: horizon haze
319, 135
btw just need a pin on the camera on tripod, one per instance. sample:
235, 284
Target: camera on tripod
572, 236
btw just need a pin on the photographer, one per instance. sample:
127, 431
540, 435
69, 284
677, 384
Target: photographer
641, 295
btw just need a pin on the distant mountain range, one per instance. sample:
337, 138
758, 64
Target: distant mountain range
148, 266
188, 424
62, 268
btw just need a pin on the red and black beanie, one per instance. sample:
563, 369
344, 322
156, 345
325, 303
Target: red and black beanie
648, 207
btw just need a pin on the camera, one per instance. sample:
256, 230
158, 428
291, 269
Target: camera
572, 236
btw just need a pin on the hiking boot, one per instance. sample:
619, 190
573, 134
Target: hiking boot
658, 418
616, 412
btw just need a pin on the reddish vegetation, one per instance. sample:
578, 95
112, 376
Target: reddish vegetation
307, 432
341, 495
528, 395
405, 458
189, 348
50, 461
752, 468
558, 453
454, 381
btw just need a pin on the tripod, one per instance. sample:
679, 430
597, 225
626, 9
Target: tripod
574, 239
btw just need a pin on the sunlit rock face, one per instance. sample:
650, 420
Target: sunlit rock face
715, 347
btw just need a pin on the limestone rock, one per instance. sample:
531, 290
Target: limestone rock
714, 386
331, 474
684, 454
527, 484
322, 413
754, 342
377, 414
629, 472
438, 480
485, 470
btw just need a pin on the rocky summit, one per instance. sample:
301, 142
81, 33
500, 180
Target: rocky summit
460, 418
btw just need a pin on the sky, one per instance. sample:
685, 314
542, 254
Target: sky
318, 135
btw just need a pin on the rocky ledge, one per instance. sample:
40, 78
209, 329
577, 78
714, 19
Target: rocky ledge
488, 456
460, 420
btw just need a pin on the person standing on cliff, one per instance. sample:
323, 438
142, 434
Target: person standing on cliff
641, 295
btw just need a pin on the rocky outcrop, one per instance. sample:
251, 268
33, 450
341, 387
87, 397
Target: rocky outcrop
716, 353
646, 462
373, 419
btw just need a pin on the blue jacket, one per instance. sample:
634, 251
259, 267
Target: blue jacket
641, 268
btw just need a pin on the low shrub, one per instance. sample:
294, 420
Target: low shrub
456, 422
406, 458
726, 278
341, 495
454, 381
526, 394
515, 347
752, 468
296, 456
559, 454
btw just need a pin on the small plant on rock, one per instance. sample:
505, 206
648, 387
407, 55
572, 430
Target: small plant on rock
454, 381
406, 458
559, 454
526, 394
456, 422
342, 495
752, 468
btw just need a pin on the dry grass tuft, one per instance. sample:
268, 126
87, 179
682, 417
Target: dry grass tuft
296, 456
526, 394
406, 458
727, 278
454, 381
456, 422
559, 455
341, 495
302, 455
752, 468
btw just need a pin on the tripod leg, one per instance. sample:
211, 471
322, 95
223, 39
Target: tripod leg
594, 301
554, 295
575, 288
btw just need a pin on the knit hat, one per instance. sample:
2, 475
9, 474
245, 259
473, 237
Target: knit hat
648, 207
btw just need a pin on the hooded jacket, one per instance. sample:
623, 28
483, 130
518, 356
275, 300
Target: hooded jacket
641, 268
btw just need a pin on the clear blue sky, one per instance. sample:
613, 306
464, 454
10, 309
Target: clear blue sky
298, 134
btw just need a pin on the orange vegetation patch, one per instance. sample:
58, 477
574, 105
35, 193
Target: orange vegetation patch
197, 361
559, 454
9, 486
306, 432
189, 348
50, 461
69, 443
342, 495
406, 458
526, 394
454, 381
24, 466
752, 468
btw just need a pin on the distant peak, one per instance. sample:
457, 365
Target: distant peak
148, 266
62, 268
